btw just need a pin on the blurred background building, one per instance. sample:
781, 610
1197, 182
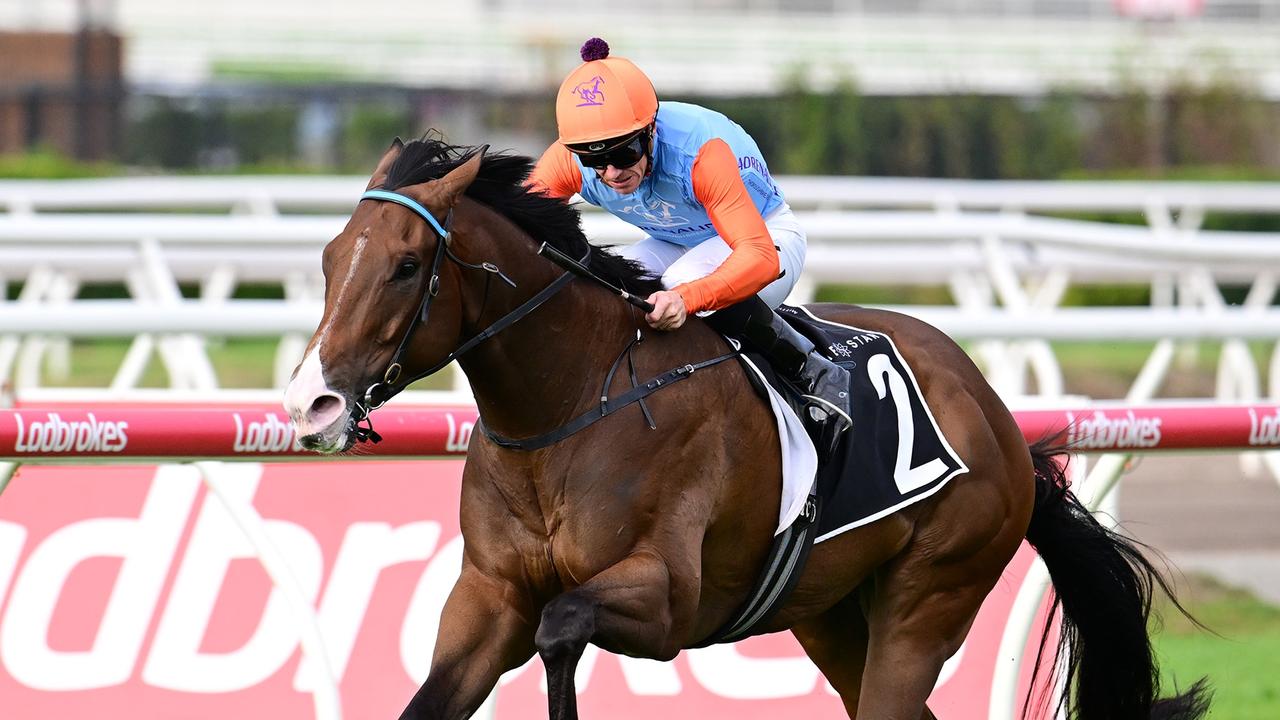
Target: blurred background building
968, 88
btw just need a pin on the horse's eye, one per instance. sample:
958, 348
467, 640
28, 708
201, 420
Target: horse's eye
407, 269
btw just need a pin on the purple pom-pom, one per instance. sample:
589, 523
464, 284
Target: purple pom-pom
594, 49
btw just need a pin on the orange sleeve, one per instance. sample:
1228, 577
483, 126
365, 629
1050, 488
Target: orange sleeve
753, 264
556, 174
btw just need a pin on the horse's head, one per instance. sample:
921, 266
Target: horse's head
377, 272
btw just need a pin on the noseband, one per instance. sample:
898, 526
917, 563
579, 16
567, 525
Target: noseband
392, 381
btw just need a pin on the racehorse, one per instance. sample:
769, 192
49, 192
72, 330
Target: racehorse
644, 540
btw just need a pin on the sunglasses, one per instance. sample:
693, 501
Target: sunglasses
620, 156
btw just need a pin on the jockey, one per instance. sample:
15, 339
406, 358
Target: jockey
720, 235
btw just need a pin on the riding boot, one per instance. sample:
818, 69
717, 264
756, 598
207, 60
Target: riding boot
822, 384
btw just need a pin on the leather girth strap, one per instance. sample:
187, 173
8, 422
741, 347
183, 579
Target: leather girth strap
782, 569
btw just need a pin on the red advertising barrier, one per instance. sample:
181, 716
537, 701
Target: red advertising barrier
233, 432
1158, 427
128, 590
263, 431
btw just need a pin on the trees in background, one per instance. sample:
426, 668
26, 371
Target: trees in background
1206, 129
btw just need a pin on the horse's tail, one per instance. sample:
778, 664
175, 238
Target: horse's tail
1103, 585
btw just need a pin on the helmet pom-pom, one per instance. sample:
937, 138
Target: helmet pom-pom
594, 49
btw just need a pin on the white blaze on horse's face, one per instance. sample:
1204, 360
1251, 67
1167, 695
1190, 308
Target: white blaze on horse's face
318, 412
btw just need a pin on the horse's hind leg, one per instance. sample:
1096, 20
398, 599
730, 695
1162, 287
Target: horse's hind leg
836, 641
627, 607
919, 612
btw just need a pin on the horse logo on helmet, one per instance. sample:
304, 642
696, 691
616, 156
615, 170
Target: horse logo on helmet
589, 91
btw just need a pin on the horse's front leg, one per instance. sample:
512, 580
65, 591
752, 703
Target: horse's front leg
486, 628
629, 607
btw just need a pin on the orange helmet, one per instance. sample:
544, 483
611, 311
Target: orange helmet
603, 98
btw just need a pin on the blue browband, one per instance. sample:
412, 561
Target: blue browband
408, 202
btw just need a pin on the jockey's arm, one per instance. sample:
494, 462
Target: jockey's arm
556, 174
753, 263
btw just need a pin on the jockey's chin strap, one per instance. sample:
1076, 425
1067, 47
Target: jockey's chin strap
392, 381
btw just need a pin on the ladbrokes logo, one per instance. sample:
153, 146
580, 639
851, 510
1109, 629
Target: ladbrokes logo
1102, 432
268, 435
58, 435
1264, 430
459, 434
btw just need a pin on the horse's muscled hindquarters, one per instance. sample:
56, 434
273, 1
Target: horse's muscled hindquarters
644, 541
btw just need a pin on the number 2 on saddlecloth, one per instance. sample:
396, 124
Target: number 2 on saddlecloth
906, 477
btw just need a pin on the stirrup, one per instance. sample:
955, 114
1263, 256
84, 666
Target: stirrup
820, 410
827, 431
827, 405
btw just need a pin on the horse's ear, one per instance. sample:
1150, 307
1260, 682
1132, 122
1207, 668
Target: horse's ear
380, 174
455, 183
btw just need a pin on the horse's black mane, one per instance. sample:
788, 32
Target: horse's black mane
500, 185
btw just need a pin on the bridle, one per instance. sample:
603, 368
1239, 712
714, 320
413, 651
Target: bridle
393, 382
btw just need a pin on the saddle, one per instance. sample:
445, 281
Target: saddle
895, 453
894, 456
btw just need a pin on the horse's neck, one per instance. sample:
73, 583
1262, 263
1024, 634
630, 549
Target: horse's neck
548, 366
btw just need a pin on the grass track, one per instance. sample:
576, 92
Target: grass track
1242, 662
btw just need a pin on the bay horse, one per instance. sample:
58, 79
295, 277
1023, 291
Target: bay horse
645, 541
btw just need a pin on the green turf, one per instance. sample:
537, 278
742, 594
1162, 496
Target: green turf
1241, 662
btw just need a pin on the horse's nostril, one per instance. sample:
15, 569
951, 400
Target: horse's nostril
325, 406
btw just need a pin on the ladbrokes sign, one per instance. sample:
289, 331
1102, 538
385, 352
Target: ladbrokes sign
267, 435
172, 431
55, 435
129, 591
1098, 431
